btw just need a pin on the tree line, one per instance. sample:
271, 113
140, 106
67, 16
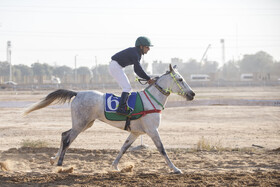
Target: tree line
260, 63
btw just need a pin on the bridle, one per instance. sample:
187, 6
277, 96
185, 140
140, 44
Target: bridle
165, 92
180, 87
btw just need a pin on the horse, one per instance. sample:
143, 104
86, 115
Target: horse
88, 106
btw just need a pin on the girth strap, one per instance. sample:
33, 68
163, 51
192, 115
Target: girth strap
127, 124
147, 112
143, 113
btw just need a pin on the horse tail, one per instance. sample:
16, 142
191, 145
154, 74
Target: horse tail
60, 96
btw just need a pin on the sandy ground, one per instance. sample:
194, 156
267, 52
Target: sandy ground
234, 134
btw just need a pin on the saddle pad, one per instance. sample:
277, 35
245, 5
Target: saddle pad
112, 102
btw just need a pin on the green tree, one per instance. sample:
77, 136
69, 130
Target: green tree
22, 73
83, 71
256, 63
48, 70
38, 71
230, 71
84, 74
24, 69
275, 70
4, 69
61, 71
210, 67
101, 74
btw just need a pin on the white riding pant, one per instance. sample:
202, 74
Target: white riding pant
118, 73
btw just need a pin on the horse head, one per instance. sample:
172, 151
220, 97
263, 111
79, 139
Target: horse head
175, 83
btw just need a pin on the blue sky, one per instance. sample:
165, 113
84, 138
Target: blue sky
55, 31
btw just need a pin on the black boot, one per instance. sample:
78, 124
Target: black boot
122, 109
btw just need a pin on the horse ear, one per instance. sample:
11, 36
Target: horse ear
175, 67
170, 68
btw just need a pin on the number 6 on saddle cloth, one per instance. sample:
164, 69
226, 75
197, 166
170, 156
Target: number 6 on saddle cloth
134, 104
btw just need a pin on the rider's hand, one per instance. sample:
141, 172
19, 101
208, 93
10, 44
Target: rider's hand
151, 81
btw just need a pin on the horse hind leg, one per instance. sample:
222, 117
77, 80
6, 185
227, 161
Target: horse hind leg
66, 139
63, 136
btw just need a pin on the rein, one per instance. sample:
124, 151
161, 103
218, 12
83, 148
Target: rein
165, 92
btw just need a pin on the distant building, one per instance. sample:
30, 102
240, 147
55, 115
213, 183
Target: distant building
247, 77
200, 77
255, 76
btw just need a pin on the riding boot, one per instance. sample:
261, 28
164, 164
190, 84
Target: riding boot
122, 109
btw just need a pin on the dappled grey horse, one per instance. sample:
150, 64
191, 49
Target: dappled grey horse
87, 106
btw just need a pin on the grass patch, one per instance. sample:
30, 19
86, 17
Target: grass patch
204, 144
34, 143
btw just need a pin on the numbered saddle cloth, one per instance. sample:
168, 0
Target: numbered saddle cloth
134, 103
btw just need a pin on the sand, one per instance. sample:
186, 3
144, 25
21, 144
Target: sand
243, 144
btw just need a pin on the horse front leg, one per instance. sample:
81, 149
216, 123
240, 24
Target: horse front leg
130, 139
157, 141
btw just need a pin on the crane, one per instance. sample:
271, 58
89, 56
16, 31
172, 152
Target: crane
205, 53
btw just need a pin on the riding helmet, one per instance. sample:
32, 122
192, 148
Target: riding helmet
144, 41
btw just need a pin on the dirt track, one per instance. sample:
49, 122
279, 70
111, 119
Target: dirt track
234, 128
92, 168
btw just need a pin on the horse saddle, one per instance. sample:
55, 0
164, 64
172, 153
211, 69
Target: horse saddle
134, 104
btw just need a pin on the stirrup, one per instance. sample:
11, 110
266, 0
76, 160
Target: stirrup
123, 112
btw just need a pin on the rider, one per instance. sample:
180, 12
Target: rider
126, 57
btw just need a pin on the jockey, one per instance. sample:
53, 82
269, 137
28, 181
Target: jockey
129, 56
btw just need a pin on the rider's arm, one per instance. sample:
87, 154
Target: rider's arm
140, 72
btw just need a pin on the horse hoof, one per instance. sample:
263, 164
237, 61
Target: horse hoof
59, 164
178, 172
115, 168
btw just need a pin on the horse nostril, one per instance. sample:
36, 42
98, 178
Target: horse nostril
193, 94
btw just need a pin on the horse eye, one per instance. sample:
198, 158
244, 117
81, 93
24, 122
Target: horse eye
180, 79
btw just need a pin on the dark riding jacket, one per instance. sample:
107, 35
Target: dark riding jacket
131, 56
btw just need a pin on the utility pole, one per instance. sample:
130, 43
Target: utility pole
95, 61
9, 58
223, 51
76, 69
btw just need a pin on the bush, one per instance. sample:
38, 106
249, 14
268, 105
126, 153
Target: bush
34, 143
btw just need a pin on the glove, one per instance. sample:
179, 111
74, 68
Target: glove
151, 81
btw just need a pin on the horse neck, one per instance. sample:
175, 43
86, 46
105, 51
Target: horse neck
161, 98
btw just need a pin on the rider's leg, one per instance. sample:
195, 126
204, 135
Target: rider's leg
118, 73
122, 109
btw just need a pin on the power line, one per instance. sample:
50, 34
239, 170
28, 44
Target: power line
132, 9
